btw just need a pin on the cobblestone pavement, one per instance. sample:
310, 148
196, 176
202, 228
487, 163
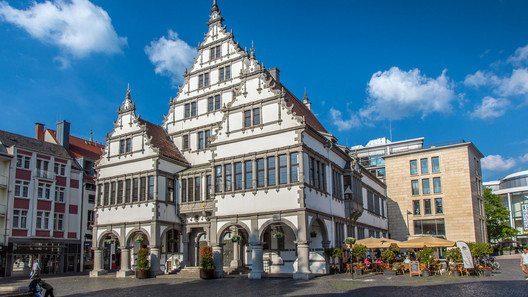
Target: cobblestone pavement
508, 281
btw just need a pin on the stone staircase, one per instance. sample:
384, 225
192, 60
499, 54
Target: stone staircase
186, 272
236, 271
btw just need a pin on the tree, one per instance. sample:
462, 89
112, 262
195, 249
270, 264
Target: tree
497, 217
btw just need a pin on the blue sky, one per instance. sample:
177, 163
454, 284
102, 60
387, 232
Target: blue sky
443, 70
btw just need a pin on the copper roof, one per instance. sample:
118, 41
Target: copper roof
161, 140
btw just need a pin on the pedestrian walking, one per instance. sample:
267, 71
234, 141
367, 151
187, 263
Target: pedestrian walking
524, 262
34, 286
35, 269
47, 287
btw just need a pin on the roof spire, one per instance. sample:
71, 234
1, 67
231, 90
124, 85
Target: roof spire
91, 136
127, 105
215, 15
305, 100
252, 50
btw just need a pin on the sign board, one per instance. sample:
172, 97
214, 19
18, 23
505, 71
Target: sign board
524, 208
415, 268
466, 255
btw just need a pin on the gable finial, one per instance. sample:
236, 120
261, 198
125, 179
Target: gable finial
91, 134
215, 14
252, 50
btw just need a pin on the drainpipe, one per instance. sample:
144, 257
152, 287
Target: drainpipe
329, 177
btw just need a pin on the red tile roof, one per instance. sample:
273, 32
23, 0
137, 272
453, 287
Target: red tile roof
161, 140
81, 148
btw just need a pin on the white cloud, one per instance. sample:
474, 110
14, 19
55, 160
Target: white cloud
170, 56
524, 158
396, 94
516, 84
490, 108
77, 27
481, 78
497, 163
520, 57
337, 119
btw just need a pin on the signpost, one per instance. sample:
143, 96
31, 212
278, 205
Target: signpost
415, 268
524, 208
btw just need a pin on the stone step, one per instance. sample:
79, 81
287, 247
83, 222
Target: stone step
187, 272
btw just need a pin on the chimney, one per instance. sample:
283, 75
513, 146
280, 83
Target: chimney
274, 72
39, 131
63, 134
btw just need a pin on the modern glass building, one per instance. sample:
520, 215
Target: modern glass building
514, 191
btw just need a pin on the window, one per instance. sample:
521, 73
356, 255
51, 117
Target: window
184, 189
44, 191
91, 198
59, 194
185, 142
19, 218
23, 161
187, 110
377, 209
376, 160
256, 116
439, 208
200, 140
170, 189
193, 109
425, 186
128, 145
127, 190
427, 207
311, 171
283, 169
213, 103
416, 207
260, 173
197, 189
228, 169
252, 117
216, 52
249, 174
218, 179
435, 164
135, 189
207, 136
142, 188
323, 173
203, 80
42, 168
424, 165
106, 193
151, 187
437, 185
125, 145
119, 199
217, 102
271, 171
58, 222
414, 167
210, 104
430, 227
247, 118
90, 219
370, 201
224, 73
190, 190
60, 169
208, 188
415, 187
294, 167
43, 220
112, 192
238, 176
22, 189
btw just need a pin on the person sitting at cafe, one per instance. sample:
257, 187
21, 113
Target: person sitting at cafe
452, 264
407, 260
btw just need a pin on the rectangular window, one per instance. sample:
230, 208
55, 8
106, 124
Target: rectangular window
424, 165
200, 140
142, 188
435, 164
425, 186
311, 171
249, 174
414, 167
19, 219
439, 208
170, 189
260, 173
22, 189
150, 187
209, 186
60, 169
377, 205
221, 74
218, 179
256, 116
185, 142
119, 192
59, 194
190, 189
127, 190
207, 136
210, 104
128, 145
184, 189
415, 187
91, 198
416, 207
228, 72
218, 102
122, 146
437, 185
216, 52
106, 193
427, 207
206, 79
271, 171
112, 193
44, 191
247, 118
238, 176
197, 189
200, 81
58, 222
23, 161
135, 190
370, 201
228, 169
294, 167
187, 112
43, 220
283, 169
193, 109
429, 227
317, 177
90, 219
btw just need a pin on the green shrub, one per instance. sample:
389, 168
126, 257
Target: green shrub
426, 256
388, 255
454, 254
359, 250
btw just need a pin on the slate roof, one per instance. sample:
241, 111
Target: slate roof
161, 140
10, 139
82, 148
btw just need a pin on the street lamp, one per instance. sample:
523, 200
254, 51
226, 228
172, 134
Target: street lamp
350, 241
408, 229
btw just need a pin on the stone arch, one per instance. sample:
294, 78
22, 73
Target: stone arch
322, 226
281, 221
131, 233
106, 233
221, 231
177, 228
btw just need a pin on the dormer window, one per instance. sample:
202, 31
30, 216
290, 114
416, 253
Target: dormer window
216, 52
125, 145
224, 73
203, 80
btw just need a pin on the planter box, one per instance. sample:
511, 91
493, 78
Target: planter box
142, 274
389, 272
358, 271
426, 273
207, 273
486, 272
456, 273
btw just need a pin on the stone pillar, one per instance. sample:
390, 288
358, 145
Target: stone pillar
98, 263
235, 263
155, 254
218, 260
303, 261
185, 242
257, 265
125, 263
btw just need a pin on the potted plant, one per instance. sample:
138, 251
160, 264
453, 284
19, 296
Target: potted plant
486, 271
388, 256
139, 239
235, 238
456, 272
278, 235
206, 263
359, 251
142, 264
110, 241
425, 271
426, 257
313, 234
390, 270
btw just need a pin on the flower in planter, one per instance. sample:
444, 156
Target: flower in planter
235, 238
207, 258
142, 262
278, 235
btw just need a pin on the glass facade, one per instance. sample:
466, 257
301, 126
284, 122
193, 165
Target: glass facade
429, 227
